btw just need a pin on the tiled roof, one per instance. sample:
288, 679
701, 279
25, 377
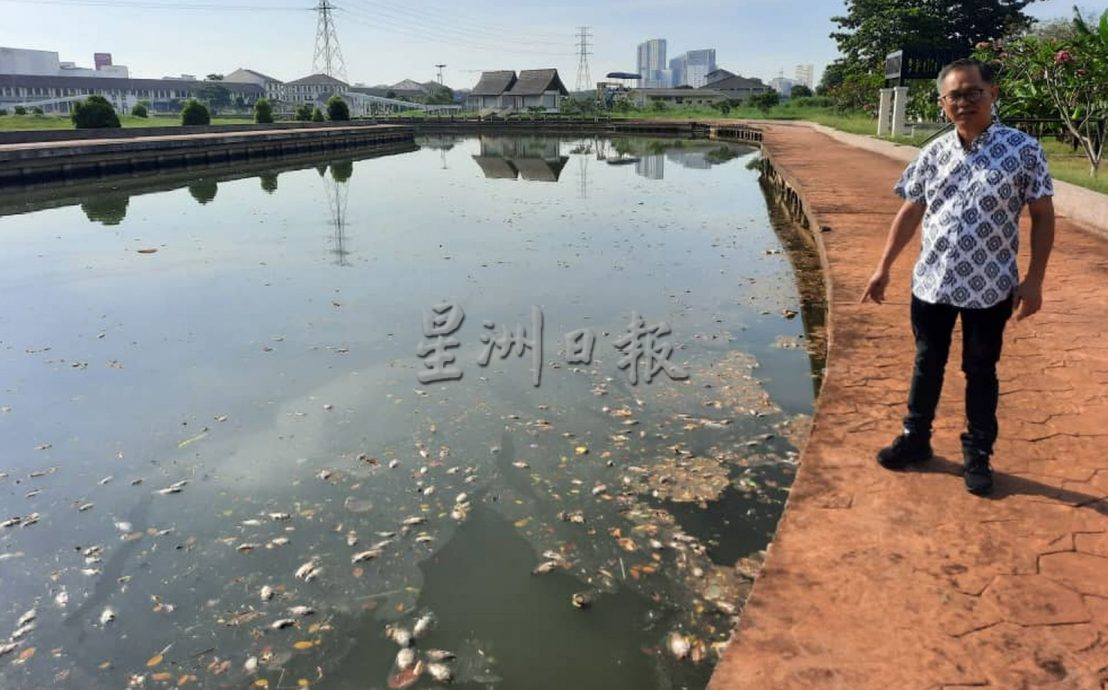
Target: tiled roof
535, 82
494, 83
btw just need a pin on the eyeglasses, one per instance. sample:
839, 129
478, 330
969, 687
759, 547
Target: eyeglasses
971, 96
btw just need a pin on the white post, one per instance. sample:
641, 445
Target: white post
900, 108
884, 112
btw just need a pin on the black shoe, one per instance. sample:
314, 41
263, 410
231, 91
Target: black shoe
977, 473
905, 450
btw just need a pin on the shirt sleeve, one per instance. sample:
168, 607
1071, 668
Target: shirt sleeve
1039, 181
911, 187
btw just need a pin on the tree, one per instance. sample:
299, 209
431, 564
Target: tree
214, 94
204, 190
107, 209
800, 91
37, 111
194, 113
94, 112
871, 29
263, 111
214, 77
658, 106
3, 112
337, 110
1069, 74
20, 110
317, 116
139, 110
390, 94
765, 101
303, 112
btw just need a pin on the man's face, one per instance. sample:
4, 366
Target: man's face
966, 99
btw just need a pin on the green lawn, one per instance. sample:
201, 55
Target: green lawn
9, 123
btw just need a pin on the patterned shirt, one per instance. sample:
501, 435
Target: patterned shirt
974, 198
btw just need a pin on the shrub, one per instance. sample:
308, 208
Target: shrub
263, 111
194, 113
37, 111
811, 102
94, 112
658, 106
20, 110
317, 116
303, 112
139, 110
337, 110
3, 112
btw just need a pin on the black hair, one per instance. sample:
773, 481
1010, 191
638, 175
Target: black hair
988, 74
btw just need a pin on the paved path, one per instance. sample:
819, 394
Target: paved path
902, 580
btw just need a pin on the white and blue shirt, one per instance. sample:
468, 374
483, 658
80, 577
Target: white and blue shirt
974, 198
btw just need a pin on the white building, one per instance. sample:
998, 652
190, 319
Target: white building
46, 63
693, 67
652, 66
275, 90
805, 74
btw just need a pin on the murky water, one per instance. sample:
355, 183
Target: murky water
211, 415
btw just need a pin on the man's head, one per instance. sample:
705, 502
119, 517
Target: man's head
967, 92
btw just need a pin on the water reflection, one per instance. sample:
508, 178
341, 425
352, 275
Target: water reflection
268, 182
107, 209
338, 192
535, 159
204, 190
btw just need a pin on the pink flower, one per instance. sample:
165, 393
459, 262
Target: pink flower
1082, 72
1063, 56
982, 45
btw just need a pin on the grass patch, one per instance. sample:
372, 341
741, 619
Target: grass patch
15, 123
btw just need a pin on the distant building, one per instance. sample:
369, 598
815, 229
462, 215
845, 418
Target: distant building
533, 88
693, 67
739, 88
55, 94
274, 88
45, 63
805, 74
644, 98
782, 86
490, 90
717, 75
651, 65
314, 88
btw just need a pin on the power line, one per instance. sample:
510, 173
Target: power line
150, 5
583, 79
428, 16
328, 53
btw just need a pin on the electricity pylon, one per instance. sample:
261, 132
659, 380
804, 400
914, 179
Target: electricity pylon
583, 80
328, 54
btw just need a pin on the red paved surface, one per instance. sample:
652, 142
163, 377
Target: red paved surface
882, 579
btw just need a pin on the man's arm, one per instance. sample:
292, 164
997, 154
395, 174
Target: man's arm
903, 228
1029, 294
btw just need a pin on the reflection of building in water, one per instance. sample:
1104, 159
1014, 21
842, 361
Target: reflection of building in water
532, 159
651, 166
696, 160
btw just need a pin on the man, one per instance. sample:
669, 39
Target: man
969, 188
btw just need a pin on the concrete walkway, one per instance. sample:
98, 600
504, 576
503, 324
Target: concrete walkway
902, 580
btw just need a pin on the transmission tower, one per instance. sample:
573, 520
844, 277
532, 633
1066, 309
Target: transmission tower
440, 73
328, 54
583, 80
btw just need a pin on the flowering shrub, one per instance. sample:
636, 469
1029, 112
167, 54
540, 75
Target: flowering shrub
1058, 78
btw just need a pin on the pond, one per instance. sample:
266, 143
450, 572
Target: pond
225, 464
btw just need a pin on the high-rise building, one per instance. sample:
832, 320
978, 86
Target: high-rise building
805, 75
692, 68
651, 64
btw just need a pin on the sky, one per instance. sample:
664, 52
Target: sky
385, 41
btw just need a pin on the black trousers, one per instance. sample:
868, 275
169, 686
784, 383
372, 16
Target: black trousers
982, 338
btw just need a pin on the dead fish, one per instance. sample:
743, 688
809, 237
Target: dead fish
545, 567
246, 548
581, 600
405, 659
423, 625
428, 491
461, 498
459, 512
393, 464
279, 516
85, 506
61, 599
282, 623
29, 520
251, 665
520, 465
23, 630
405, 678
399, 635
438, 655
412, 521
574, 516
440, 672
266, 593
678, 645
252, 522
9, 647
351, 538
308, 571
324, 474
107, 616
301, 610
385, 535
553, 556
365, 556
279, 541
599, 489
27, 618
124, 526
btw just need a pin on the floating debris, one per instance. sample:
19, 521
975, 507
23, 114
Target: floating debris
440, 672
413, 521
301, 610
107, 616
545, 567
438, 655
174, 488
405, 659
678, 645
399, 635
282, 623
581, 600
27, 618
423, 625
